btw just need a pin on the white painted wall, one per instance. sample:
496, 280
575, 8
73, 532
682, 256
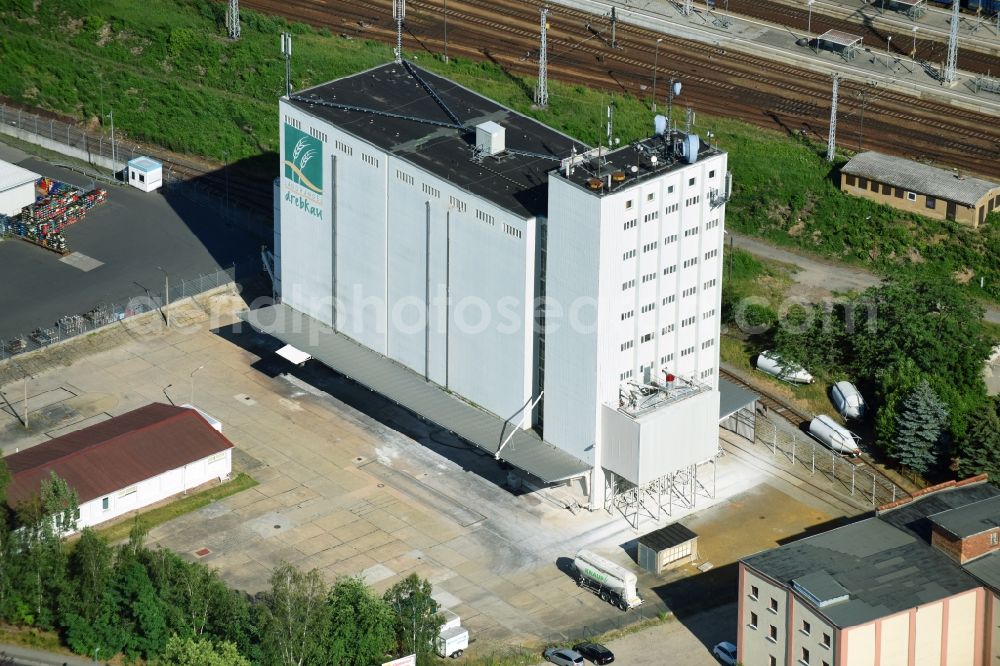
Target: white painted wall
218, 466
426, 273
12, 200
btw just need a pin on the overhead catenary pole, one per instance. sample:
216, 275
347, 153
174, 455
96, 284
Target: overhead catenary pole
542, 89
948, 76
233, 19
399, 13
688, 7
614, 28
831, 144
445, 30
114, 156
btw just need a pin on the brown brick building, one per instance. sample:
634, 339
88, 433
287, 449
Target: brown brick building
919, 188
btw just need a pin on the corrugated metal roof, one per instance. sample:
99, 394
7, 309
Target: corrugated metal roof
116, 453
920, 178
733, 398
12, 175
667, 537
526, 450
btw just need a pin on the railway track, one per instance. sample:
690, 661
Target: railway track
798, 419
930, 50
751, 88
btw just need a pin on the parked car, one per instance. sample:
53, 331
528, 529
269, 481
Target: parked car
772, 363
725, 652
595, 652
847, 399
563, 657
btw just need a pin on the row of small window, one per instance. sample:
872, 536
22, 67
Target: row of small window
625, 375
294, 122
485, 217
344, 148
648, 337
863, 183
705, 374
670, 189
316, 134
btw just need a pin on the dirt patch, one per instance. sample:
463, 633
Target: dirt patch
914, 256
72, 27
104, 35
797, 228
963, 276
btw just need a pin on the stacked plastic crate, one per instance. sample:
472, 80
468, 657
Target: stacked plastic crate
43, 221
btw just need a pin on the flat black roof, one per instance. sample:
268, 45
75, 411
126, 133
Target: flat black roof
442, 146
986, 569
610, 171
886, 563
971, 519
667, 537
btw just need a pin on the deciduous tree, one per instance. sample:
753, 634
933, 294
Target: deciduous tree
296, 618
417, 620
979, 450
362, 625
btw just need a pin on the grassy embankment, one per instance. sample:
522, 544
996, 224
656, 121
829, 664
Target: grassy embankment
173, 79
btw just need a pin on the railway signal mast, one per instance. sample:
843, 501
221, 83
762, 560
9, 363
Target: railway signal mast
542, 90
948, 76
614, 27
233, 19
831, 143
399, 13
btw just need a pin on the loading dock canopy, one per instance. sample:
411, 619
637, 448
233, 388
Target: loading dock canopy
525, 450
733, 398
293, 355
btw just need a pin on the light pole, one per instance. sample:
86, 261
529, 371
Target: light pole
810, 22
913, 54
192, 382
25, 399
166, 296
656, 58
446, 31
165, 395
888, 49
114, 157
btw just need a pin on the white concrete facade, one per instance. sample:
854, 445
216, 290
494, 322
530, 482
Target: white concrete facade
646, 262
403, 262
149, 491
445, 283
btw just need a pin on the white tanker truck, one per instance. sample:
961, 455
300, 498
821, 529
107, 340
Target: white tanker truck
610, 582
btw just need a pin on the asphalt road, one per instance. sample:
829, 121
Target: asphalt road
132, 234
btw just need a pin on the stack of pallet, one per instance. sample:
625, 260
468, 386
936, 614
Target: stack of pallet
43, 221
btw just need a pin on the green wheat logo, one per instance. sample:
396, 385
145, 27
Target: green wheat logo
303, 159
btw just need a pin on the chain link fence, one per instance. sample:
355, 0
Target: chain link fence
98, 150
850, 476
73, 325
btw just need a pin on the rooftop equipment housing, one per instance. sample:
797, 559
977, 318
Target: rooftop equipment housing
491, 138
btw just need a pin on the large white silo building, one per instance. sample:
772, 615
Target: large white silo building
554, 304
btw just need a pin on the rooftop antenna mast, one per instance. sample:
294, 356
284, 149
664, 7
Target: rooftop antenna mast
611, 120
399, 13
542, 90
831, 143
689, 120
673, 91
286, 51
233, 19
948, 76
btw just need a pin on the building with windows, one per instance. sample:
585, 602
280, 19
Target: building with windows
555, 304
918, 584
920, 188
127, 462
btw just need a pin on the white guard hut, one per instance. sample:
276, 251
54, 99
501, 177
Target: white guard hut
145, 173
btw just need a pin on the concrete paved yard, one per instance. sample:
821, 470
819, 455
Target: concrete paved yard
351, 484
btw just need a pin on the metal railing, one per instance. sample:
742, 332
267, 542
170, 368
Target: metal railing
73, 325
852, 477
